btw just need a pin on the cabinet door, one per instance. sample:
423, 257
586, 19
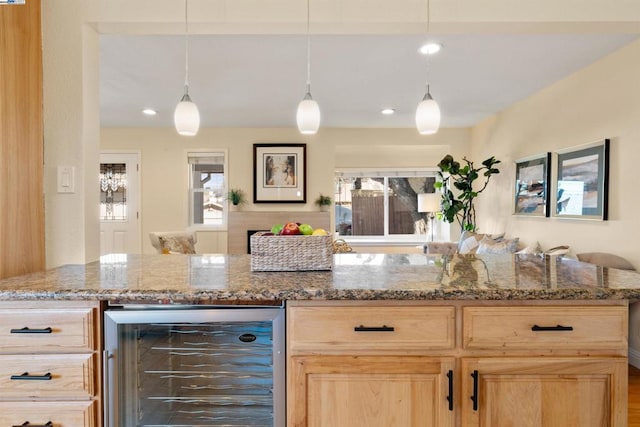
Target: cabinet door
370, 391
544, 392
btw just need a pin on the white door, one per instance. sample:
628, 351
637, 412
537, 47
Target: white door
119, 193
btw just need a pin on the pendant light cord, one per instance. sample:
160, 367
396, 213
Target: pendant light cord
428, 15
186, 48
308, 52
427, 55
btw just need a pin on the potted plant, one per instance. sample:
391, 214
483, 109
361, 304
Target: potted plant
236, 196
460, 208
323, 202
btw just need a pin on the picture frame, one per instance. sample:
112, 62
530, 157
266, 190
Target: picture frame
582, 181
279, 173
531, 191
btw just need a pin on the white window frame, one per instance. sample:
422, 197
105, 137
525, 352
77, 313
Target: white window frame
209, 152
386, 173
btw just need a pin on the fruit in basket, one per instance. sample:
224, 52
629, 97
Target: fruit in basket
305, 229
290, 229
320, 232
277, 229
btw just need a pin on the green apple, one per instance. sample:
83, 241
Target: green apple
277, 229
305, 229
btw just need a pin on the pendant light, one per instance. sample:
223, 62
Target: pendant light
428, 111
308, 114
186, 116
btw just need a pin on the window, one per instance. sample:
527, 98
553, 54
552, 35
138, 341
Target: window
207, 186
382, 204
113, 191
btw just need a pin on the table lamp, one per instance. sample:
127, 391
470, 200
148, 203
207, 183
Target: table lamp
429, 202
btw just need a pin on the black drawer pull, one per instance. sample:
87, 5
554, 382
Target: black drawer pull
27, 330
537, 328
383, 328
26, 376
450, 396
27, 423
474, 396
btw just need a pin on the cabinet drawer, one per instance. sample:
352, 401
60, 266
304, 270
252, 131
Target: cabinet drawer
67, 376
545, 327
60, 414
371, 328
47, 330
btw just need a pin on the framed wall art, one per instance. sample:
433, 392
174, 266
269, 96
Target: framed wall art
279, 173
581, 182
532, 196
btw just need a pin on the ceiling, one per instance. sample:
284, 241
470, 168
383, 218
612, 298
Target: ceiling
258, 80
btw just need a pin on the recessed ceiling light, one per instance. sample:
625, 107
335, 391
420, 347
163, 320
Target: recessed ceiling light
149, 112
430, 48
388, 111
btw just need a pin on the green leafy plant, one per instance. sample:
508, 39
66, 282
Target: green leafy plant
460, 208
323, 200
236, 196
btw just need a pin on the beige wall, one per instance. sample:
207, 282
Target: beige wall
71, 131
164, 172
601, 101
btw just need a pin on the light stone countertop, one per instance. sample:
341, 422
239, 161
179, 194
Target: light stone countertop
227, 278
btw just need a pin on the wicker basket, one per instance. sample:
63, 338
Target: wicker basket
291, 253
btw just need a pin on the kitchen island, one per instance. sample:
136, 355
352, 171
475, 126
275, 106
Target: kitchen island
379, 340
227, 278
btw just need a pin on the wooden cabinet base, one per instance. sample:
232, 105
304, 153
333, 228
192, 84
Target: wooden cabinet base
60, 414
462, 363
550, 392
371, 391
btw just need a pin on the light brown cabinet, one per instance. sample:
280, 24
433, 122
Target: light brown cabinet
59, 414
542, 364
49, 364
544, 391
371, 391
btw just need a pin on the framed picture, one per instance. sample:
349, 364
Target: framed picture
581, 182
532, 197
279, 173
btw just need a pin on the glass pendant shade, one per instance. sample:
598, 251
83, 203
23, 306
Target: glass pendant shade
308, 116
186, 117
427, 116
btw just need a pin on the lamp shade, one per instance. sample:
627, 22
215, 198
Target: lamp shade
186, 117
429, 202
427, 116
308, 116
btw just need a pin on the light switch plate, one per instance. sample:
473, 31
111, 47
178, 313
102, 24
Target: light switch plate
66, 179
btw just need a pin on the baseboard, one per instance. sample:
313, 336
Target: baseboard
634, 357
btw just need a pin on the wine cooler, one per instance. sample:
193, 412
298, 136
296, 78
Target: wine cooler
194, 366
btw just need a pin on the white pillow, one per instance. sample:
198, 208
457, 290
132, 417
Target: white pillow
468, 245
531, 249
504, 246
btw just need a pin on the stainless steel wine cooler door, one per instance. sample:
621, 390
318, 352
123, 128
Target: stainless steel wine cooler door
194, 367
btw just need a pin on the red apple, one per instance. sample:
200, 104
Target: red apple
290, 229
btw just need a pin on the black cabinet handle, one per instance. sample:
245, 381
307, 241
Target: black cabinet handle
27, 330
383, 328
558, 328
474, 396
450, 396
27, 423
26, 376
